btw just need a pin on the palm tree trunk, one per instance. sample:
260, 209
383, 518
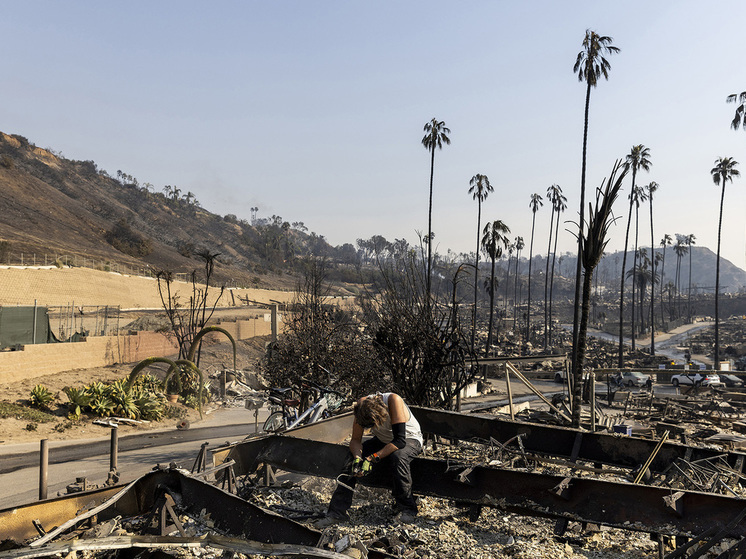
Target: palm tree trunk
582, 331
621, 288
476, 278
492, 309
515, 287
430, 226
652, 280
530, 261
689, 291
578, 270
717, 284
663, 271
551, 284
546, 284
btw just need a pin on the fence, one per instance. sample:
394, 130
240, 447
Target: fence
65, 321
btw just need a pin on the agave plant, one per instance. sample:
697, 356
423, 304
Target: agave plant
41, 397
78, 400
150, 406
148, 384
97, 390
102, 405
124, 402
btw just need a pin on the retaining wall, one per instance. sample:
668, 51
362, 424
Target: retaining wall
100, 351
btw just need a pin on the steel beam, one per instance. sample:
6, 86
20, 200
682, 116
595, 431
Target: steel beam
615, 450
620, 505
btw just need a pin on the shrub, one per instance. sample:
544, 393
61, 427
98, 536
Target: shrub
78, 400
41, 397
6, 161
123, 238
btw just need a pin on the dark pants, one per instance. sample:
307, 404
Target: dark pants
397, 463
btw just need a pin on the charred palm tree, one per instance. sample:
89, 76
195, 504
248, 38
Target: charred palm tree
590, 65
723, 171
479, 187
680, 249
665, 241
690, 238
639, 196
593, 244
494, 240
560, 206
638, 158
652, 187
436, 134
534, 204
519, 244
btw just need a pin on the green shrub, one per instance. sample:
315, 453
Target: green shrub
103, 406
78, 400
41, 397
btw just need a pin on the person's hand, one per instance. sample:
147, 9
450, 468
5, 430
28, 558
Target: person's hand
357, 466
366, 467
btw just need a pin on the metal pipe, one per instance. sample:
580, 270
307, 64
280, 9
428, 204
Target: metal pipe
43, 468
510, 393
114, 450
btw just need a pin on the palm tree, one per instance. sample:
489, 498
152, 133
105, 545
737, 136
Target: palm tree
680, 249
651, 188
723, 171
519, 244
638, 158
665, 241
436, 134
638, 193
590, 65
494, 241
739, 118
480, 187
689, 242
534, 204
561, 206
554, 195
593, 244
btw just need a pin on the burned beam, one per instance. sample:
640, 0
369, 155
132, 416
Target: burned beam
614, 450
620, 505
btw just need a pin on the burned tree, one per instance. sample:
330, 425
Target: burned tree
422, 346
188, 318
321, 341
592, 245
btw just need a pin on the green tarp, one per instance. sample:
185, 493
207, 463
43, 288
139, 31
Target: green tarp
17, 326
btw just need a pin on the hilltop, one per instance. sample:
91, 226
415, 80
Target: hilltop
61, 207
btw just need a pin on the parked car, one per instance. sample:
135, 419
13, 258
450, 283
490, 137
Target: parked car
731, 381
633, 378
696, 379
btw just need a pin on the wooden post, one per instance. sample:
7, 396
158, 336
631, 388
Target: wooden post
114, 450
43, 468
510, 393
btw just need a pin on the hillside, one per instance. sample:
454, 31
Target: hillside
55, 206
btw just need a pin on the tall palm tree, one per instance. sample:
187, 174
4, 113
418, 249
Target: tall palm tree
739, 118
479, 188
638, 158
494, 240
436, 134
639, 196
680, 249
534, 204
651, 188
665, 241
723, 171
554, 192
689, 242
590, 66
560, 206
519, 244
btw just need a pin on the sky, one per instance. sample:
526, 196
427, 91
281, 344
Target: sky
314, 110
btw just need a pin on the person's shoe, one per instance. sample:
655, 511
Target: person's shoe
327, 521
405, 517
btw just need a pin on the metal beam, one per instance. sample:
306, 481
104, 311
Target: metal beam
620, 505
615, 450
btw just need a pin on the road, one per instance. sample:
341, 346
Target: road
138, 454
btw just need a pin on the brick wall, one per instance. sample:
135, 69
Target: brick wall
100, 351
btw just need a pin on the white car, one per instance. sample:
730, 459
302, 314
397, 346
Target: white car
696, 379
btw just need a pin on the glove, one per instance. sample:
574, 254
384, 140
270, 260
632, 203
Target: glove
367, 466
357, 466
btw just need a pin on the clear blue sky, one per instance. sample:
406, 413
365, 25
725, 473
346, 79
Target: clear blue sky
313, 110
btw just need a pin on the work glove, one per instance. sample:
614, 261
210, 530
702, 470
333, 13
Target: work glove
357, 467
366, 467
